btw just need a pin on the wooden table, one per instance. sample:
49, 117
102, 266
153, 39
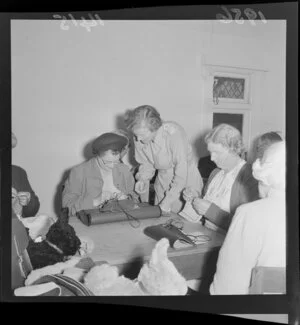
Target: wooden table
120, 244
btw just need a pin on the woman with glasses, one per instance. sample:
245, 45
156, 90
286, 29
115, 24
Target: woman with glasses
100, 179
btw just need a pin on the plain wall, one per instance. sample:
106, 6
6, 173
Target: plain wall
69, 86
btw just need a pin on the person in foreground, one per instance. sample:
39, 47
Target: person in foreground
229, 185
264, 141
100, 179
257, 234
162, 146
29, 203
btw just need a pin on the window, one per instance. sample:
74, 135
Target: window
233, 119
228, 87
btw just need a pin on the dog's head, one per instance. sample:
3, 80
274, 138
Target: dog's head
64, 237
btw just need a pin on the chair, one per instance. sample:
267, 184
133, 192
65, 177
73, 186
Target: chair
20, 262
268, 280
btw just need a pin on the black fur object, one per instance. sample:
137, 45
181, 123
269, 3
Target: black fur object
62, 235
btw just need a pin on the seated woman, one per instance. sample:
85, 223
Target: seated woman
103, 177
229, 185
29, 201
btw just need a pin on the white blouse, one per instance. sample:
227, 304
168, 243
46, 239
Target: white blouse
219, 189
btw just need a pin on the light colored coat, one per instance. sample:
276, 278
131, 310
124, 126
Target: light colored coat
256, 237
85, 183
171, 154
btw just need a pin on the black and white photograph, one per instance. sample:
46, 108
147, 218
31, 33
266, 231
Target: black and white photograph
149, 157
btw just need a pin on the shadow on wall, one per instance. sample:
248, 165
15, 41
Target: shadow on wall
57, 202
200, 145
87, 151
120, 125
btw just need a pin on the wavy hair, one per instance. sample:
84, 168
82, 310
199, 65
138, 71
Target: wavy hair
228, 136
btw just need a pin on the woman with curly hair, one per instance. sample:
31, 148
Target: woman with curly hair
230, 184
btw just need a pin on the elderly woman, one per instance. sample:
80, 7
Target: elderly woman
103, 177
257, 234
162, 146
230, 184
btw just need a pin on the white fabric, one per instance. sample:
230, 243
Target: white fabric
108, 183
189, 213
36, 290
256, 237
219, 189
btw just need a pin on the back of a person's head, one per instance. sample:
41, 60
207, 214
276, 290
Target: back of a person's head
270, 170
264, 141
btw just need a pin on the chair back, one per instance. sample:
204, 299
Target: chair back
268, 280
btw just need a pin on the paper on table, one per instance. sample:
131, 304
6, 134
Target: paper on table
189, 213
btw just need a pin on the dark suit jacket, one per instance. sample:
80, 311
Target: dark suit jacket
21, 184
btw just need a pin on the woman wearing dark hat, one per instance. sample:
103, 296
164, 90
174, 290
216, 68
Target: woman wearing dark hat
101, 178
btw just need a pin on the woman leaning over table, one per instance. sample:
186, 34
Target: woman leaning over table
162, 146
230, 184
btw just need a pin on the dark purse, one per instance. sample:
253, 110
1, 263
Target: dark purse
122, 210
169, 231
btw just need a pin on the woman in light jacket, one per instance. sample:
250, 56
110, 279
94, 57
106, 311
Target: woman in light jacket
103, 177
162, 146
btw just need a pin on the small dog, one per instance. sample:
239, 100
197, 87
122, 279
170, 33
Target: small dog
61, 242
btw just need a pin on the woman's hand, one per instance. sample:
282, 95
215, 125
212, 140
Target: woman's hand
102, 198
141, 186
16, 206
189, 194
24, 198
165, 206
201, 205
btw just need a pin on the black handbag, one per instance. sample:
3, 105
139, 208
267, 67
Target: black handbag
169, 231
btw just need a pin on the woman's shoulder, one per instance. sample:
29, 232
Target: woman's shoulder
246, 170
172, 128
17, 169
85, 165
122, 167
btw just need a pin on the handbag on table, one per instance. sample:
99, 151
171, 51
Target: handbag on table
177, 238
115, 211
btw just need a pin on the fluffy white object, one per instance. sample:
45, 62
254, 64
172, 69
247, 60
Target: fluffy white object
38, 226
160, 276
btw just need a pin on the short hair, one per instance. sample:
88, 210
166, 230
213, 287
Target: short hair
109, 141
273, 173
228, 136
145, 113
265, 141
